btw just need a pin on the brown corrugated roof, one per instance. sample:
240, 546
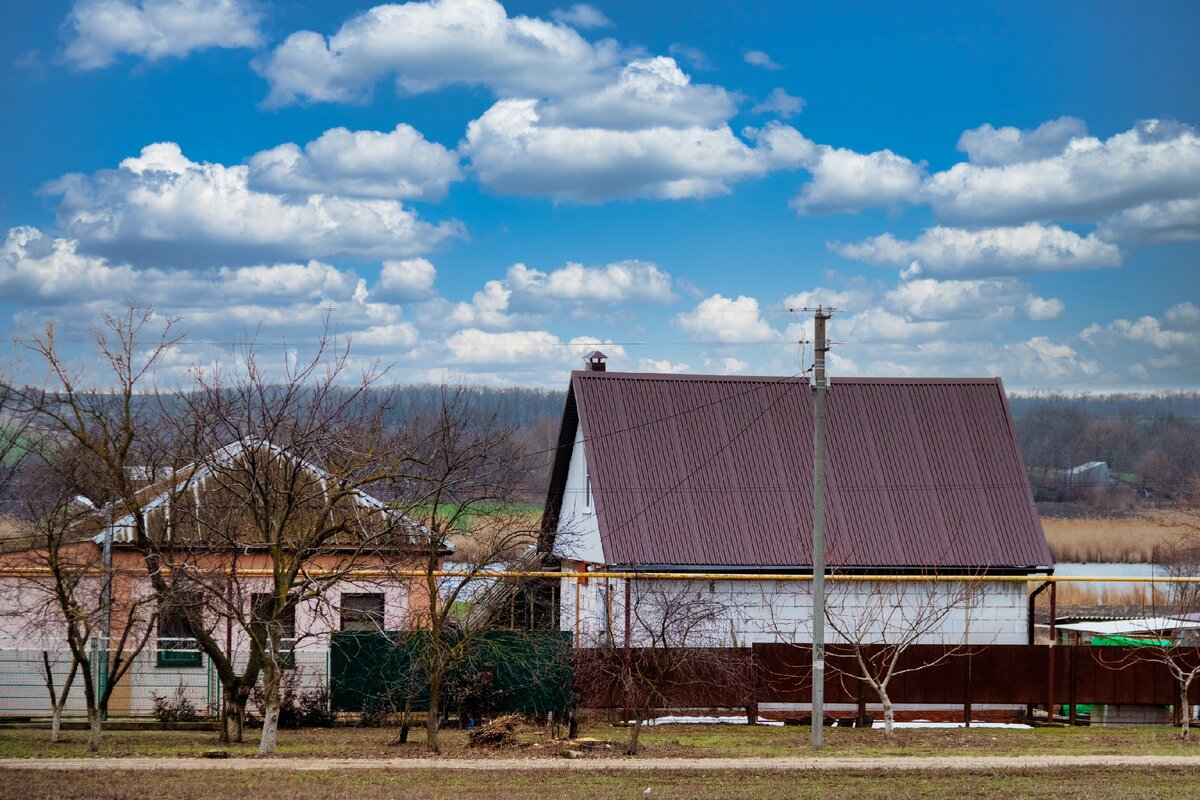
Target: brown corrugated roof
717, 471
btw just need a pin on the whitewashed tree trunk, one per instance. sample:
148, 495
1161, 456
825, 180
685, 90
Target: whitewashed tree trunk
889, 714
1185, 710
56, 725
272, 674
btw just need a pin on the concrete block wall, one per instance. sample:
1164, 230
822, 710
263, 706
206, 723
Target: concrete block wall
781, 611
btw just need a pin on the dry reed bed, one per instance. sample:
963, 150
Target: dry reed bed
1138, 539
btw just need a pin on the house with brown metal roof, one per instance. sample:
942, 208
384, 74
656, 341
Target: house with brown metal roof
713, 474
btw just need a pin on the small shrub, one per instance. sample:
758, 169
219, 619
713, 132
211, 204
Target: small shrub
176, 707
298, 708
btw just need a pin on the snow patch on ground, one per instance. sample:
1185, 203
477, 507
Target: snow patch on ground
741, 720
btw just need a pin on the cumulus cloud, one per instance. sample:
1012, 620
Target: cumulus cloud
726, 319
399, 164
163, 208
781, 103
513, 152
757, 58
846, 181
991, 147
952, 252
1178, 331
407, 279
972, 299
525, 294
1091, 178
1154, 223
42, 270
582, 15
622, 282
37, 268
647, 92
427, 45
99, 30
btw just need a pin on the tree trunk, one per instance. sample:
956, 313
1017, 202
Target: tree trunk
56, 724
93, 729
1185, 711
434, 717
889, 715
272, 675
633, 734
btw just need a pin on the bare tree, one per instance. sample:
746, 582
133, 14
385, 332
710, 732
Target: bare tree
1177, 650
670, 650
71, 589
99, 417
274, 511
877, 623
463, 494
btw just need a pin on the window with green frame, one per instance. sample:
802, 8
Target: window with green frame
176, 645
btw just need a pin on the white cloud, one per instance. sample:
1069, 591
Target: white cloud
946, 251
880, 325
1184, 316
513, 152
781, 103
36, 268
1154, 222
726, 319
757, 58
427, 45
972, 299
989, 146
162, 208
399, 164
525, 295
648, 92
616, 283
408, 279
279, 282
582, 15
1154, 161
98, 30
472, 346
845, 181
1150, 331
660, 365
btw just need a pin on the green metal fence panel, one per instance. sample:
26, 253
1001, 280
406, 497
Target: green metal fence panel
528, 672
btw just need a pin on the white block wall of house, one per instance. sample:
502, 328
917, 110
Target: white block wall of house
578, 534
781, 611
22, 685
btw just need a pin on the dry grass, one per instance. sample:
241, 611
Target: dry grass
674, 741
1128, 540
1069, 782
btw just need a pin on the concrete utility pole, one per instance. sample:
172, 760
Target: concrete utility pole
820, 384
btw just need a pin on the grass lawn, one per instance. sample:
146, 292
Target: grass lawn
351, 785
686, 741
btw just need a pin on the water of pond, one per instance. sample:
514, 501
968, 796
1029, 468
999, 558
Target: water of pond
1107, 570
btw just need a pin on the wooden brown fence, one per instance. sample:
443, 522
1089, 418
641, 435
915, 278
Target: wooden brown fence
986, 674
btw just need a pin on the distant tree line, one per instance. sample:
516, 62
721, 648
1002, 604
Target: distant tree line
1149, 440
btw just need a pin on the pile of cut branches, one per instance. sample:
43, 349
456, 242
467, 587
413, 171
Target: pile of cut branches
498, 732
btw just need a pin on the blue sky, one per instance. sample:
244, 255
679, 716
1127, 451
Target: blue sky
484, 192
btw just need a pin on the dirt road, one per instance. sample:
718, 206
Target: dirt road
976, 763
